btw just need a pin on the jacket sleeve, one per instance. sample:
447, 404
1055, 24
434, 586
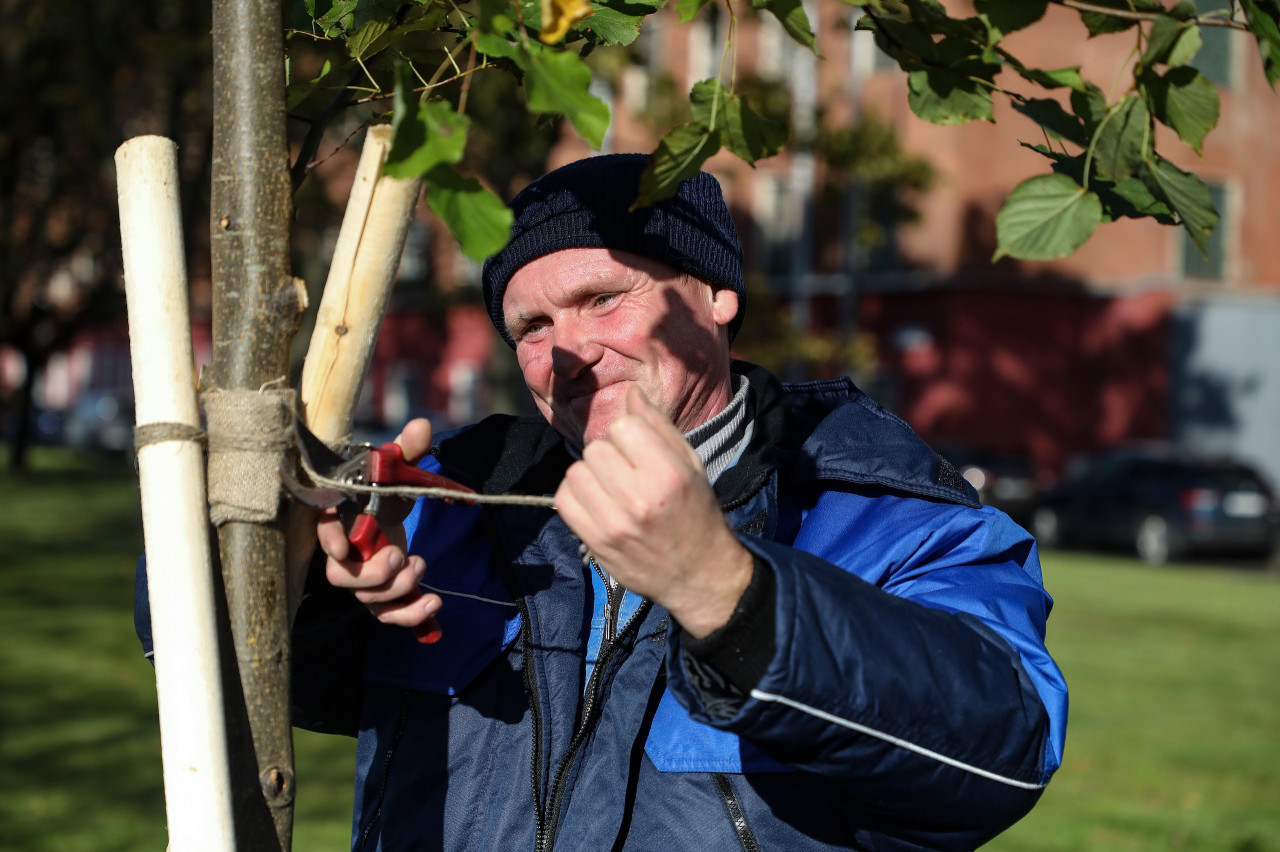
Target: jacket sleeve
909, 663
328, 647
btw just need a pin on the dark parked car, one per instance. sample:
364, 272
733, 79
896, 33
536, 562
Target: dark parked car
1163, 504
1003, 480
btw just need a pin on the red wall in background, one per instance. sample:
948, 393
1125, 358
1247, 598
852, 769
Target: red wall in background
1042, 374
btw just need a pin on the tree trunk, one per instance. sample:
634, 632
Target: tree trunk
255, 315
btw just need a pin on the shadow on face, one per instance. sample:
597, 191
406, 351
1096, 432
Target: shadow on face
685, 347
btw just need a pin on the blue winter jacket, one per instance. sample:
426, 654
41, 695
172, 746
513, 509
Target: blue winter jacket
910, 702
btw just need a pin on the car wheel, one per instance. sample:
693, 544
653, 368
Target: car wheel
1156, 542
1046, 527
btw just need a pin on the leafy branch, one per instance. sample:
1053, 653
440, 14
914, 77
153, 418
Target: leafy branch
954, 68
1136, 15
951, 63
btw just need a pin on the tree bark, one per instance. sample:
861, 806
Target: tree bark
255, 315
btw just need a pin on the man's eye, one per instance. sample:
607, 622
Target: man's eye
605, 298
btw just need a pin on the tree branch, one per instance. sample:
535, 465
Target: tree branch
311, 142
1133, 15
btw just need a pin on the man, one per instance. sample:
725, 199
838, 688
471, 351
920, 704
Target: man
760, 616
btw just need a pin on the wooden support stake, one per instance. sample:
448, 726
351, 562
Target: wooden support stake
197, 781
361, 276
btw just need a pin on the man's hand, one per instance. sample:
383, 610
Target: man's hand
640, 500
387, 583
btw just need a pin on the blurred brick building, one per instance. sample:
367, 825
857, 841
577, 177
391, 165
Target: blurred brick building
1136, 335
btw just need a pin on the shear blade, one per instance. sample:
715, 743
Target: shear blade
321, 498
316, 453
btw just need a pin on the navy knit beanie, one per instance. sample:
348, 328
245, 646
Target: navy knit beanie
585, 205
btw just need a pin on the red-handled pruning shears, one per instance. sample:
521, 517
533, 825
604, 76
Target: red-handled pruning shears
367, 466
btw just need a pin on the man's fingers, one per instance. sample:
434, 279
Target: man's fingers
584, 504
415, 439
409, 611
375, 573
608, 462
395, 583
331, 534
644, 430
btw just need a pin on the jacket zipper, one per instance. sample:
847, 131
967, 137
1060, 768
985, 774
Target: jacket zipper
746, 837
535, 714
549, 822
401, 724
612, 603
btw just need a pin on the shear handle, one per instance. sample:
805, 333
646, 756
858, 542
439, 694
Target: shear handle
367, 538
386, 466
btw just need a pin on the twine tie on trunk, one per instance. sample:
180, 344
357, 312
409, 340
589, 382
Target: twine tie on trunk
249, 434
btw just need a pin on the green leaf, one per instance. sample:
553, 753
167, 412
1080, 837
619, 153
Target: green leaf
687, 10
427, 22
750, 135
1100, 23
680, 156
612, 26
1010, 15
1091, 105
1053, 78
338, 20
478, 219
558, 82
1186, 47
300, 90
1160, 39
1133, 200
424, 134
708, 103
498, 47
1265, 25
347, 17
1122, 139
1184, 100
743, 131
1129, 199
791, 14
495, 16
1050, 115
1185, 194
908, 45
364, 37
1171, 42
947, 96
1046, 217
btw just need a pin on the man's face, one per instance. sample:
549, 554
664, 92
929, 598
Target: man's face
588, 323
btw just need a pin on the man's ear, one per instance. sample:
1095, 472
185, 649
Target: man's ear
724, 305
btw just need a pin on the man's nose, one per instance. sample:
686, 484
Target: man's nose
573, 353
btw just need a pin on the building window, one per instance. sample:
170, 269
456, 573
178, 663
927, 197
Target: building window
1211, 263
772, 49
706, 44
771, 201
865, 56
1215, 58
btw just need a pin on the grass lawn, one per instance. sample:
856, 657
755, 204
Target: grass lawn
1174, 733
1174, 740
79, 740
